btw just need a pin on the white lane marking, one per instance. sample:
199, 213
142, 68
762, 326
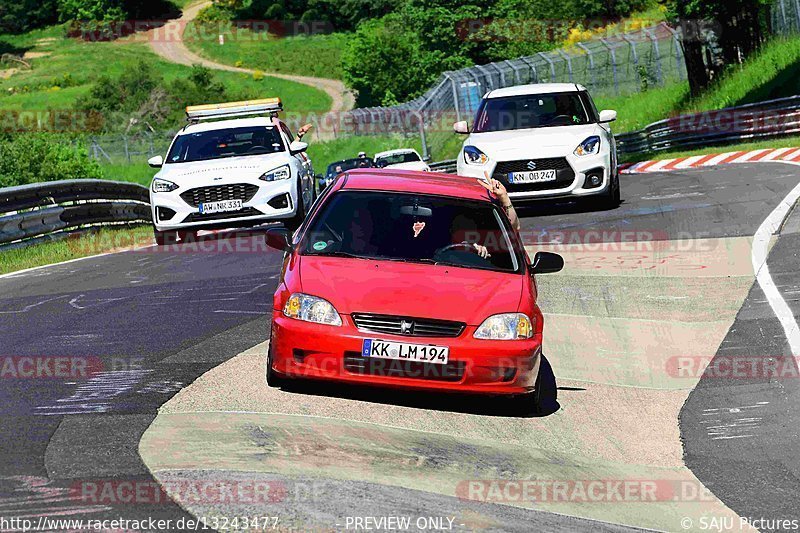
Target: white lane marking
760, 252
673, 196
31, 306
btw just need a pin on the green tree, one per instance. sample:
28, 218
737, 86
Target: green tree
738, 23
18, 16
401, 54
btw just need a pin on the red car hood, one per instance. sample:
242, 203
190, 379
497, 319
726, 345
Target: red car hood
407, 289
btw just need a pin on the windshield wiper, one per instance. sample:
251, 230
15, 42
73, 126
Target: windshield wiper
340, 254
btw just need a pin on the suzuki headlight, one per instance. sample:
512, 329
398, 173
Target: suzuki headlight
280, 173
473, 156
160, 185
506, 327
311, 309
590, 146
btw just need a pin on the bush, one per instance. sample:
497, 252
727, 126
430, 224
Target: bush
142, 94
33, 157
18, 16
90, 10
398, 56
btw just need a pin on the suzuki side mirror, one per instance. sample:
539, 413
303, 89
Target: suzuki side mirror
607, 116
461, 127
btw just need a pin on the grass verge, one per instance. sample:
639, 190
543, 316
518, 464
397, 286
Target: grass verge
313, 55
64, 69
99, 242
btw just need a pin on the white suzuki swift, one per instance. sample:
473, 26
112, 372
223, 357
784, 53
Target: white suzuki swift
223, 170
543, 141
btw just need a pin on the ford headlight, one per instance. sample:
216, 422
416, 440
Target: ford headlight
280, 173
160, 185
590, 146
311, 309
473, 156
506, 327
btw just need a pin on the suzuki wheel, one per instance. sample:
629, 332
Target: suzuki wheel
613, 196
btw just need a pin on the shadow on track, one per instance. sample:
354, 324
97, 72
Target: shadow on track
495, 406
540, 208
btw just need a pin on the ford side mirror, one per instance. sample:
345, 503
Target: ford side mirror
607, 116
461, 127
547, 263
298, 146
279, 239
156, 162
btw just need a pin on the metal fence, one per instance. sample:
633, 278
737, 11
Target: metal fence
762, 120
612, 66
127, 149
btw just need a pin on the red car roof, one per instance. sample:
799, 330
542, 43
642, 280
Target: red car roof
434, 183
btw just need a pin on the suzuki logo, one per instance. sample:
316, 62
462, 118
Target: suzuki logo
531, 165
406, 327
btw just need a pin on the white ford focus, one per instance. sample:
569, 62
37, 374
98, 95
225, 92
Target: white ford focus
543, 141
225, 170
401, 159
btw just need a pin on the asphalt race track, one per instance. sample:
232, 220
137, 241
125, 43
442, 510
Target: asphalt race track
174, 340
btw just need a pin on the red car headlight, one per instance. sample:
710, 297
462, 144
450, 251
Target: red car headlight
311, 309
506, 327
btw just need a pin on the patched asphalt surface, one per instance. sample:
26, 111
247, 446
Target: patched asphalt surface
741, 425
157, 319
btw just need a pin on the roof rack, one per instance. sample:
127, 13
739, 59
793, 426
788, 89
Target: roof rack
197, 113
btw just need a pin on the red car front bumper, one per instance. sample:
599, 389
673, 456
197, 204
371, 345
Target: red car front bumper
302, 350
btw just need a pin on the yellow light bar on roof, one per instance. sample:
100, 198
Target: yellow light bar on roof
234, 109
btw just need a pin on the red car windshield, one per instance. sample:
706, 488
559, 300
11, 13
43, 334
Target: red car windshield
412, 228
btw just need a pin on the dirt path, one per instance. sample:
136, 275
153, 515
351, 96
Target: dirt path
175, 50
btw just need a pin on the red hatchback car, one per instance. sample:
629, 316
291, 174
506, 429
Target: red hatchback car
410, 280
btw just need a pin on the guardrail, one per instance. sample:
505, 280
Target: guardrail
762, 120
448, 166
40, 209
